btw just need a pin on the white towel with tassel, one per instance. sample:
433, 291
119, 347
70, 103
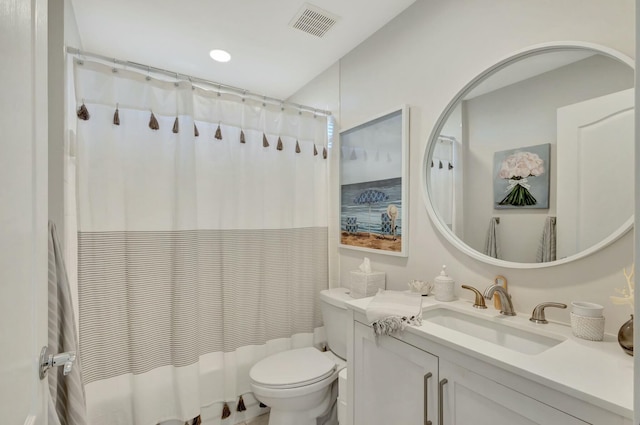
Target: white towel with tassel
392, 311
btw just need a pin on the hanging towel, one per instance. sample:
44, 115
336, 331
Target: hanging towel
392, 311
492, 246
547, 248
52, 414
67, 392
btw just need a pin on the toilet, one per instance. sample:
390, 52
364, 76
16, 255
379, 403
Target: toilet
298, 384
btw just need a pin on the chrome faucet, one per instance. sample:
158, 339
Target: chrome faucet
505, 299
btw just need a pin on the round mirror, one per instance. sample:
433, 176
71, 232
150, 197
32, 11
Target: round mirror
531, 164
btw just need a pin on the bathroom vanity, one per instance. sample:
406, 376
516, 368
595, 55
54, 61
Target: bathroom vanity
465, 366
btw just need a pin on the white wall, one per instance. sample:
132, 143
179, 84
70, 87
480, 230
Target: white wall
423, 58
324, 93
520, 115
62, 32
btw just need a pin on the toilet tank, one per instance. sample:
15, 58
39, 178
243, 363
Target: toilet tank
335, 318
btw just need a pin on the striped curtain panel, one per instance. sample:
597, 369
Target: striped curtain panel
202, 242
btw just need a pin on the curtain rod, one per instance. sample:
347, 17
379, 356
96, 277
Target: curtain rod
443, 138
241, 92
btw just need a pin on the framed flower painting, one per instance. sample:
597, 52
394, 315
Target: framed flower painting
521, 178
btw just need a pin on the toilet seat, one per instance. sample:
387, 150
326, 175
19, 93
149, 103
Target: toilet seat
292, 369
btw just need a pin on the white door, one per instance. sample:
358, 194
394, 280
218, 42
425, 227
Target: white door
395, 383
469, 398
23, 209
595, 166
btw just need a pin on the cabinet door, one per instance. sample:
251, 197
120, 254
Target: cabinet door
468, 398
395, 383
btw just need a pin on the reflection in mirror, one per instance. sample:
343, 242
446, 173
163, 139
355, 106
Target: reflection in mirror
489, 182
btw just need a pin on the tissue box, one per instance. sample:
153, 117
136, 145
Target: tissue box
366, 284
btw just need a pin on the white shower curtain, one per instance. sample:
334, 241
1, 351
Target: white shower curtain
197, 255
442, 181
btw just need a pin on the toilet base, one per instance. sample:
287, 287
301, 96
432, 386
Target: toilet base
290, 418
307, 417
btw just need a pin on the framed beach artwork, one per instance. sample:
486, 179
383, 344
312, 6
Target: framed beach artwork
374, 184
521, 178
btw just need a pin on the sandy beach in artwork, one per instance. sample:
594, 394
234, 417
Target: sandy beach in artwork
373, 240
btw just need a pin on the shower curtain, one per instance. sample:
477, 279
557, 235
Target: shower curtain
202, 241
442, 181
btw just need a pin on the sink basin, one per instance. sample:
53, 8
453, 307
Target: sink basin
489, 329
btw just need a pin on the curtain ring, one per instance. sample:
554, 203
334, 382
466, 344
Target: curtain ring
148, 77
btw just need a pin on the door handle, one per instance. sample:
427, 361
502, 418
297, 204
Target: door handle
48, 361
441, 401
426, 398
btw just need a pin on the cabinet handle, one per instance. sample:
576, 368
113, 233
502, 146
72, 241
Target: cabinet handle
441, 401
426, 398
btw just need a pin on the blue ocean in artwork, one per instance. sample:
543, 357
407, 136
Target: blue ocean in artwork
370, 220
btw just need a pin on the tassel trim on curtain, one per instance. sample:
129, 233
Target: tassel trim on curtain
83, 114
240, 407
116, 117
195, 421
153, 122
226, 412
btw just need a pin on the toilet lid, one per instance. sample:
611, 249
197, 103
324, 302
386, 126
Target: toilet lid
292, 368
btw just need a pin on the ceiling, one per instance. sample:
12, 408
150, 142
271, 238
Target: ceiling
269, 57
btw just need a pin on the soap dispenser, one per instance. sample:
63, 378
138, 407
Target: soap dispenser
443, 286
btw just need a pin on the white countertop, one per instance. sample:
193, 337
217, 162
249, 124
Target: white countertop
597, 372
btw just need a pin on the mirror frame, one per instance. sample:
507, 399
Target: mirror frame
442, 119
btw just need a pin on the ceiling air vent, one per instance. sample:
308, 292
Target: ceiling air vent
313, 20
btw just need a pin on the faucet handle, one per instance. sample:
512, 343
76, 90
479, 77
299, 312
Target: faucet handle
479, 302
538, 312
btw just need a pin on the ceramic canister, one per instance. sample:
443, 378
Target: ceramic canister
443, 286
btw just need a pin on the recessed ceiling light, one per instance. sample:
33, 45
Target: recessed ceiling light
220, 55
